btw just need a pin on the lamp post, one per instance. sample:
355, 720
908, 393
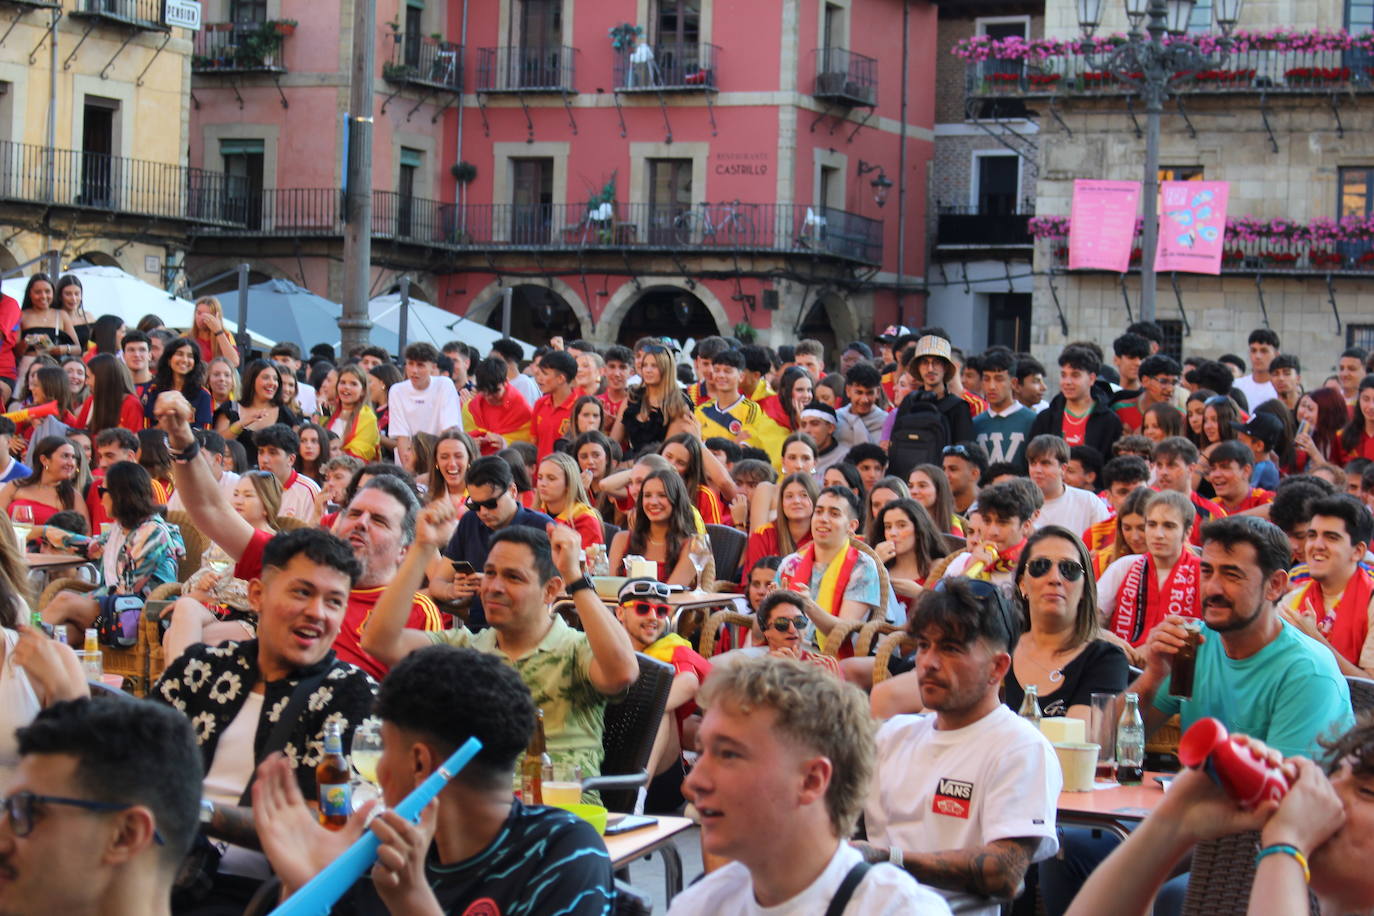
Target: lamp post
1150, 64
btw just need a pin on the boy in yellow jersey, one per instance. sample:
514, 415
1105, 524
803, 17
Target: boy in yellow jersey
732, 415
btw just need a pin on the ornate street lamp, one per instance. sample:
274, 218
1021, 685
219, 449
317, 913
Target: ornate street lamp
1146, 63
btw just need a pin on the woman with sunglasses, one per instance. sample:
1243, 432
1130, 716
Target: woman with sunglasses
1061, 651
657, 408
558, 483
1138, 592
791, 530
782, 618
662, 530
1357, 439
909, 547
214, 605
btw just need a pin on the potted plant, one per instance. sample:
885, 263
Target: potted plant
285, 27
624, 36
463, 172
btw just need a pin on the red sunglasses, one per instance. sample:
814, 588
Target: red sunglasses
645, 608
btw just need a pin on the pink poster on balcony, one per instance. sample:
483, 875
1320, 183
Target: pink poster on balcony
1192, 226
1102, 224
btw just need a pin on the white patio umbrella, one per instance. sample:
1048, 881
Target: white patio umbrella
432, 324
111, 291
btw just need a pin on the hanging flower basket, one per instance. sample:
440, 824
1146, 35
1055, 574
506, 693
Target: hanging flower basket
1327, 259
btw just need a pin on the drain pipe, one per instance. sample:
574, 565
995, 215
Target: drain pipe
901, 166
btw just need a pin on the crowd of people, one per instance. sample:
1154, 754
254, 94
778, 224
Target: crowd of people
414, 547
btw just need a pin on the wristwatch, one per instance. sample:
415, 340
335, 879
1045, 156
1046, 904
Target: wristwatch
207, 810
578, 585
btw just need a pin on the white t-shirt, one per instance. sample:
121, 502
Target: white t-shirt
885, 891
227, 778
20, 705
298, 500
228, 480
935, 790
306, 398
1256, 393
528, 388
430, 411
1075, 509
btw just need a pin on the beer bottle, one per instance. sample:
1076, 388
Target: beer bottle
1130, 744
1030, 706
535, 765
332, 780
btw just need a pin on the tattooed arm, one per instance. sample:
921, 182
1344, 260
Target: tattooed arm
995, 870
234, 824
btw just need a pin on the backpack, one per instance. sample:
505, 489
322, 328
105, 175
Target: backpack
919, 434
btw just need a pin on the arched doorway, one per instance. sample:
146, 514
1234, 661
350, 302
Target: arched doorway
537, 314
666, 311
94, 259
829, 321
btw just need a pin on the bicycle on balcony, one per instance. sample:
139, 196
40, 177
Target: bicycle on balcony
730, 225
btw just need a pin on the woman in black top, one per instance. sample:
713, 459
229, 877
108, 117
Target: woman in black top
259, 405
1060, 652
71, 299
656, 409
44, 326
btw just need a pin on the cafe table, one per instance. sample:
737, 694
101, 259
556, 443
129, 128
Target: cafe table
53, 561
1112, 807
637, 844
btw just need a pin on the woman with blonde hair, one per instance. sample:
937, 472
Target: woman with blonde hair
791, 530
213, 606
561, 495
209, 334
351, 416
222, 381
657, 408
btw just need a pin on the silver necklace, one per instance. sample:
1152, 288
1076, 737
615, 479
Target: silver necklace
1056, 674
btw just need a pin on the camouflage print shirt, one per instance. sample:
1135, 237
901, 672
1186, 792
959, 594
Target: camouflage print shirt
557, 673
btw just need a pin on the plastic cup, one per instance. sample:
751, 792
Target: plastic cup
1102, 731
1079, 762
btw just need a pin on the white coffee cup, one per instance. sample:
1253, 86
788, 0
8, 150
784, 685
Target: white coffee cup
1078, 760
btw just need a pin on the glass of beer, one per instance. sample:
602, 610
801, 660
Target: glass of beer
1102, 732
1185, 660
565, 788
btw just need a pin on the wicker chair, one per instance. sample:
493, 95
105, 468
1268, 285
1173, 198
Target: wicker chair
870, 634
1222, 874
738, 624
1361, 694
628, 736
727, 547
892, 642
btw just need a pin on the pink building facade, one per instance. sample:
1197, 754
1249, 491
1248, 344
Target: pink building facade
712, 164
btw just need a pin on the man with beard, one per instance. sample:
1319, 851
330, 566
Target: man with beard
1255, 672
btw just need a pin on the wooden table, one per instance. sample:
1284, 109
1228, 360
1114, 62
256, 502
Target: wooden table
47, 561
1110, 806
637, 844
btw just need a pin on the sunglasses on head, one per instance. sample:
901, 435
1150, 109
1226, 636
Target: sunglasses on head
783, 624
653, 348
645, 608
645, 588
1071, 570
488, 504
958, 450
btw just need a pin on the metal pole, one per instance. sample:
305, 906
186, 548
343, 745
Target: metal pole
245, 340
506, 295
901, 165
1155, 83
353, 323
405, 315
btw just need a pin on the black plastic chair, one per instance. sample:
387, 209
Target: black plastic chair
1361, 694
727, 546
628, 736
608, 533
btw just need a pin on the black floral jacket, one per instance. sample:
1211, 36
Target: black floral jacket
210, 684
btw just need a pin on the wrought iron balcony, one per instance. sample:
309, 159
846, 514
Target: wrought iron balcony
1265, 256
846, 78
425, 62
984, 226
723, 227
1254, 71
687, 67
525, 69
139, 14
240, 47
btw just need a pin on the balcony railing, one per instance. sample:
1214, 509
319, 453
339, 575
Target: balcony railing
72, 178
138, 14
239, 47
845, 77
984, 226
525, 69
685, 67
1254, 71
298, 212
1266, 256
426, 62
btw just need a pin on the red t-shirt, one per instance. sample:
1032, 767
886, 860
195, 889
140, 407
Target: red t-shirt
1075, 428
1256, 497
1131, 417
9, 335
550, 422
424, 615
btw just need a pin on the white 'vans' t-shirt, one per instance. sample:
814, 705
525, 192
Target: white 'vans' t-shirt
934, 790
885, 891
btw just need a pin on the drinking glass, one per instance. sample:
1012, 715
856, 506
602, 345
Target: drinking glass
699, 552
366, 749
92, 663
23, 515
1102, 732
565, 788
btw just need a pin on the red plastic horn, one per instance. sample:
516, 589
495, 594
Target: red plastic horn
1242, 773
33, 413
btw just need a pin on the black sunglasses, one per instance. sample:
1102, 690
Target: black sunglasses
1071, 570
19, 809
488, 504
783, 624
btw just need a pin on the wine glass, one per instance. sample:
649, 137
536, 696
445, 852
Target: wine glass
23, 515
699, 552
364, 751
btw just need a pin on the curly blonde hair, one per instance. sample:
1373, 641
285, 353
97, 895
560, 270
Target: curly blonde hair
818, 712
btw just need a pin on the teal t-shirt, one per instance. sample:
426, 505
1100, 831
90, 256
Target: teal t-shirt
1288, 694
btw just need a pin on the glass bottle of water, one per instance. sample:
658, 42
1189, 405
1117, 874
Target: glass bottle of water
1130, 744
1030, 705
